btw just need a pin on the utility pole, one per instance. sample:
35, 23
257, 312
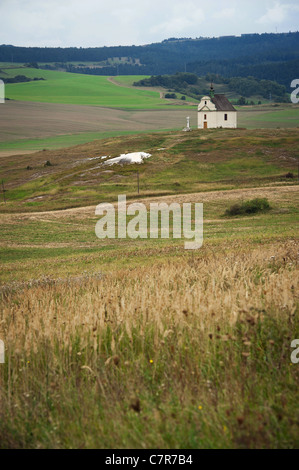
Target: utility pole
3, 190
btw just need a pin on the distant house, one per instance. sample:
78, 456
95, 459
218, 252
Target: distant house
216, 111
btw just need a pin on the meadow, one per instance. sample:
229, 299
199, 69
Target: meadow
73, 88
181, 163
141, 344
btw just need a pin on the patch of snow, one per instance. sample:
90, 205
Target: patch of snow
95, 158
135, 157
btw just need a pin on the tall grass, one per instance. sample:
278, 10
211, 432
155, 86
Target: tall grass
192, 353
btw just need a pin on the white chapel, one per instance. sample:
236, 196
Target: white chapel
216, 111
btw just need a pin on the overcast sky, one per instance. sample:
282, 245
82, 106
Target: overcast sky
89, 23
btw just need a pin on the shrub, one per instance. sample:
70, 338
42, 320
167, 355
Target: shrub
249, 207
290, 175
170, 96
242, 101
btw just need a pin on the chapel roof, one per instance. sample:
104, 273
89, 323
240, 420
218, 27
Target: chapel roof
222, 103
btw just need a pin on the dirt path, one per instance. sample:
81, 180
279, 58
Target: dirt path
161, 91
115, 82
11, 153
271, 192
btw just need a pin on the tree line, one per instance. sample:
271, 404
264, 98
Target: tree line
263, 56
190, 84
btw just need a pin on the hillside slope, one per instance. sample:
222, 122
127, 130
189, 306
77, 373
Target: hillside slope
68, 88
180, 163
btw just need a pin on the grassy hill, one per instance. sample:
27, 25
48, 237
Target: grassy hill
180, 163
68, 88
139, 343
74, 88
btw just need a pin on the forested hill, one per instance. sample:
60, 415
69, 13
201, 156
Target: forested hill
264, 56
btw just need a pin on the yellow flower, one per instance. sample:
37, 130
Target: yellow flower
224, 428
200, 407
151, 361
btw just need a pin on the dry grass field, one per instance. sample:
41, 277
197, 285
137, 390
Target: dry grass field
189, 353
122, 344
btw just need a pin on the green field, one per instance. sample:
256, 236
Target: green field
60, 141
70, 88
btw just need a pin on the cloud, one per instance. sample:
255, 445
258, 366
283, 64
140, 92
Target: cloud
180, 19
90, 23
227, 13
278, 13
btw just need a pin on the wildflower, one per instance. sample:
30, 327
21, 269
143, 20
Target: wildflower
200, 407
151, 361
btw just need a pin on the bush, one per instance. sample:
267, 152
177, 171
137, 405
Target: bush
290, 175
249, 207
170, 96
241, 101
